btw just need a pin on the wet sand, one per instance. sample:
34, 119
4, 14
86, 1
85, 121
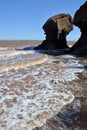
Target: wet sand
74, 115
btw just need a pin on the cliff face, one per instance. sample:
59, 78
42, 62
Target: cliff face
80, 20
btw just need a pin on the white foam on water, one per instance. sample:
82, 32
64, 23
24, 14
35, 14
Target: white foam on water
28, 104
68, 65
20, 59
22, 64
11, 52
31, 95
5, 48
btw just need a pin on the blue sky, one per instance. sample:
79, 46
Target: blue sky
23, 19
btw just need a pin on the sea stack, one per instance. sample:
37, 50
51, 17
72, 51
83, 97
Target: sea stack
80, 20
56, 29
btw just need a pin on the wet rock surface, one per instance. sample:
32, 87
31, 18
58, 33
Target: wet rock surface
80, 20
56, 29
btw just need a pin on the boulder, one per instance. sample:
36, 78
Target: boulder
56, 29
80, 20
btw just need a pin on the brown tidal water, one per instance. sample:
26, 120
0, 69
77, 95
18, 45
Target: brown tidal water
40, 91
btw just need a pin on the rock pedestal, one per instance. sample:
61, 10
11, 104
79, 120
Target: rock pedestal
80, 20
56, 29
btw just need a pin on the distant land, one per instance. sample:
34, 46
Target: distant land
15, 43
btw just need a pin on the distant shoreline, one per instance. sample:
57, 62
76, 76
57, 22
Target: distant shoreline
16, 43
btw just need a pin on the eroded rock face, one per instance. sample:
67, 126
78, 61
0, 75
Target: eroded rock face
80, 20
56, 29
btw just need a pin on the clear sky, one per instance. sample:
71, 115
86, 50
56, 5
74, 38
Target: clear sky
23, 19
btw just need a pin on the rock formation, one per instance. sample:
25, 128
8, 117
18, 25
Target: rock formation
56, 29
80, 20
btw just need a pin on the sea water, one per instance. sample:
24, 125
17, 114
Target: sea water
32, 87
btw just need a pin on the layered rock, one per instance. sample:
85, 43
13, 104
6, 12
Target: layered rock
56, 29
80, 20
